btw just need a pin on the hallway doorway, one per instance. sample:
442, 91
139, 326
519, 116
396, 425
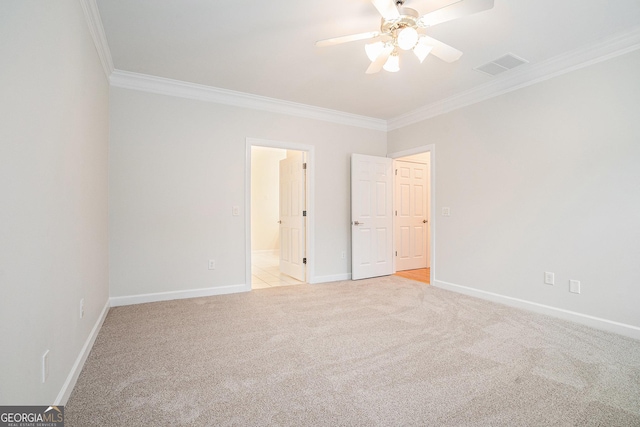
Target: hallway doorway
412, 212
421, 154
278, 238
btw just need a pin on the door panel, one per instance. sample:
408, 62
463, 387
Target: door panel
412, 215
372, 216
292, 221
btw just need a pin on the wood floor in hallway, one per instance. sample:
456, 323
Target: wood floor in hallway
420, 275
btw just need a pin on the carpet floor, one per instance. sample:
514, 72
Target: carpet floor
376, 352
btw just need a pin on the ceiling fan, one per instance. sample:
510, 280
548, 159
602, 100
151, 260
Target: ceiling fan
403, 28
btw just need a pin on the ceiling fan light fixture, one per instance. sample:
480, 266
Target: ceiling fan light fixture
400, 29
373, 50
393, 63
407, 38
422, 22
422, 50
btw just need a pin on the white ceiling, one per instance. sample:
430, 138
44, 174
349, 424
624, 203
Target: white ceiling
267, 48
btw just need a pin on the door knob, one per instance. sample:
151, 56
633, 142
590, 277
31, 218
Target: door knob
424, 221
279, 222
358, 223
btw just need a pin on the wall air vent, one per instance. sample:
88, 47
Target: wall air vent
502, 64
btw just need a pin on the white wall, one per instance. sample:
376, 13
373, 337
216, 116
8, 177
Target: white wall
265, 197
546, 178
177, 169
53, 182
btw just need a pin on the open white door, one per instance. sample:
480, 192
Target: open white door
412, 215
371, 216
292, 220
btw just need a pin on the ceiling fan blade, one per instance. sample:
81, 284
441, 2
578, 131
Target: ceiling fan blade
387, 8
441, 50
380, 60
454, 11
345, 39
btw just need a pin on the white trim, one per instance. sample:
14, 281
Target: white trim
94, 21
310, 228
172, 295
530, 74
331, 278
431, 148
164, 86
69, 384
609, 48
584, 319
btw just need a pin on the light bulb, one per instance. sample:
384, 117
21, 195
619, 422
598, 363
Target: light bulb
393, 63
373, 50
407, 38
422, 50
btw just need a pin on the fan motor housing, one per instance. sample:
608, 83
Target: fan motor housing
408, 18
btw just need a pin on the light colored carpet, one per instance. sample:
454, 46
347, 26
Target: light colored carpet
387, 351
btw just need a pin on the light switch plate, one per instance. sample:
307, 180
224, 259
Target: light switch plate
446, 211
574, 286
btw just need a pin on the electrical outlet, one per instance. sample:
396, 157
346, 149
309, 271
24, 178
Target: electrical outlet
45, 366
343, 255
574, 286
236, 210
446, 211
81, 308
212, 264
548, 278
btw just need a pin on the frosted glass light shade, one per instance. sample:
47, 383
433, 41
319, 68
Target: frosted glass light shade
393, 64
422, 50
407, 38
373, 50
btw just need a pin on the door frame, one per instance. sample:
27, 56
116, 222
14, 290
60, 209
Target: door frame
310, 188
431, 148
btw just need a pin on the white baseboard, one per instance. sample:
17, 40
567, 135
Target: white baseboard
70, 383
167, 296
330, 278
584, 319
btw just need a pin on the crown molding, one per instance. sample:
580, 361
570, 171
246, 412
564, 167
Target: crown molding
611, 47
164, 86
94, 21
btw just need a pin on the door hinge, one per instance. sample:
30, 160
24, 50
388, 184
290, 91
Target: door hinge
396, 213
304, 213
396, 171
304, 260
304, 166
396, 253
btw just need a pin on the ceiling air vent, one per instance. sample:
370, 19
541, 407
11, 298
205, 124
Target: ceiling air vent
502, 64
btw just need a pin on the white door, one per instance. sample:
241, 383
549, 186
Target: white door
371, 216
292, 221
412, 218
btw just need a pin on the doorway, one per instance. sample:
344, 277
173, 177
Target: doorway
279, 199
373, 213
411, 216
414, 213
